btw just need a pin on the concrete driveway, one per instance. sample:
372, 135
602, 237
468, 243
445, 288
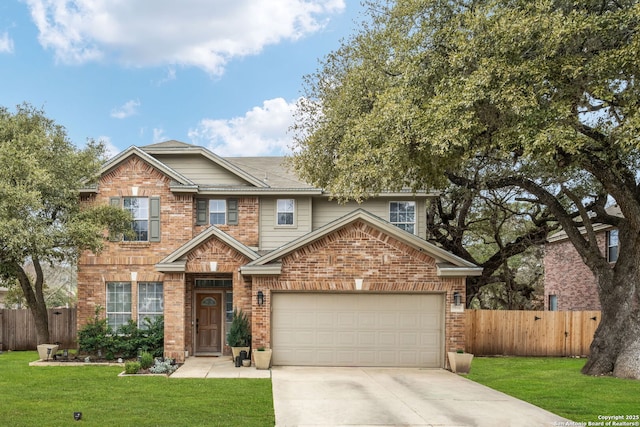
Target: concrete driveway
319, 396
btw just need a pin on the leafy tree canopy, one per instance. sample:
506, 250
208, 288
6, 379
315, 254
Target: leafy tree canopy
41, 219
543, 94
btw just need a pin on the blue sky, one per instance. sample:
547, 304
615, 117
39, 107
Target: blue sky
218, 73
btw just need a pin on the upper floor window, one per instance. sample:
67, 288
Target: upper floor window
217, 211
403, 215
612, 245
139, 208
145, 212
285, 211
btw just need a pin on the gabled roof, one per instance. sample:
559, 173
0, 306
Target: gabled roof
177, 147
447, 263
176, 262
611, 210
180, 182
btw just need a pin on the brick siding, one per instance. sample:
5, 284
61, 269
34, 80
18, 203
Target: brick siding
568, 277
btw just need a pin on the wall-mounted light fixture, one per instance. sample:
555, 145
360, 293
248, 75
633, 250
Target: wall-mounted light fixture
457, 299
260, 298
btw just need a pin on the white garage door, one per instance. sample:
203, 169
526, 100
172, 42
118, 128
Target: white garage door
402, 330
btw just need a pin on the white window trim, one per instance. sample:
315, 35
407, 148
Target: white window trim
295, 215
209, 211
415, 214
147, 219
114, 313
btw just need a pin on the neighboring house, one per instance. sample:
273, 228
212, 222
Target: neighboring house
569, 285
323, 283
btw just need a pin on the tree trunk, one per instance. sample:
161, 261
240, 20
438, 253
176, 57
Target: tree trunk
615, 349
33, 293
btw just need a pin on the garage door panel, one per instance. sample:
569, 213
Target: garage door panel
357, 329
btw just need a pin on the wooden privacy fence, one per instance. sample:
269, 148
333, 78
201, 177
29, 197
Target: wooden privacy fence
18, 330
530, 333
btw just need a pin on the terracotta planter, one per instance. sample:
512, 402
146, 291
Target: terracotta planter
460, 363
262, 358
43, 352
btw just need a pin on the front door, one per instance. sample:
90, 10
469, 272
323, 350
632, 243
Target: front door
208, 323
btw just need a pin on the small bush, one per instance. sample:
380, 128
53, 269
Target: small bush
146, 360
131, 367
95, 335
166, 366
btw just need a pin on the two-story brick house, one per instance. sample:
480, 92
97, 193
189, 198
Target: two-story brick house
569, 285
323, 283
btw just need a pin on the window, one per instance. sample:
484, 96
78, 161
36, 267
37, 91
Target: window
150, 302
217, 212
403, 215
228, 312
118, 304
553, 303
285, 211
139, 208
146, 218
612, 246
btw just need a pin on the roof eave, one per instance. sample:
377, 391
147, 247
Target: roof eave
448, 270
261, 270
172, 267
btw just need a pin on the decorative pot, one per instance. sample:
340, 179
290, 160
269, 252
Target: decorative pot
235, 351
262, 358
460, 362
47, 351
246, 363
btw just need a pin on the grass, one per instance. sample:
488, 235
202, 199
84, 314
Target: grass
50, 395
557, 385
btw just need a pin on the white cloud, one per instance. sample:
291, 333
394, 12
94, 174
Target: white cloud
110, 149
128, 109
6, 43
261, 131
201, 33
159, 135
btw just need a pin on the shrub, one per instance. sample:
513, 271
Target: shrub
95, 335
240, 332
126, 342
166, 366
146, 360
131, 367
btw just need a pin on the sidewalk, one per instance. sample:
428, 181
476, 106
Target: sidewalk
217, 367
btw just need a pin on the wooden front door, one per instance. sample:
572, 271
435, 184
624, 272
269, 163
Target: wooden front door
208, 329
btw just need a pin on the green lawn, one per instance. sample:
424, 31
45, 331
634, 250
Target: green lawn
48, 396
557, 385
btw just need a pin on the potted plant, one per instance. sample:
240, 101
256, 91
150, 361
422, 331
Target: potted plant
460, 362
262, 358
239, 335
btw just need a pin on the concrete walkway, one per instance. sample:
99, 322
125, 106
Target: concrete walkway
216, 367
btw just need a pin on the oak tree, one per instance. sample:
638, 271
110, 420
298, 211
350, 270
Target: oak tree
547, 90
41, 220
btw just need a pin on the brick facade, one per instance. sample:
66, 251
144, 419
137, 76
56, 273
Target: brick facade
358, 251
568, 278
331, 263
